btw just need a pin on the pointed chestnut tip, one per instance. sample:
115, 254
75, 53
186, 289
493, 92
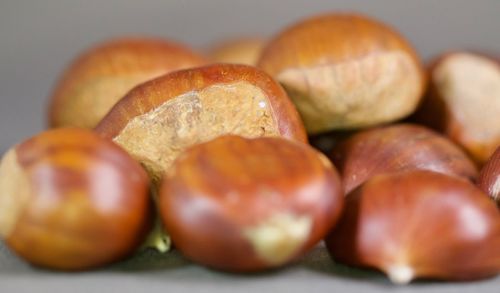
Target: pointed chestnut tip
400, 274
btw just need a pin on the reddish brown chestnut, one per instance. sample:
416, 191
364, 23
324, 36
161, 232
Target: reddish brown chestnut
397, 148
464, 101
241, 204
419, 224
345, 71
98, 78
489, 178
156, 121
70, 200
244, 50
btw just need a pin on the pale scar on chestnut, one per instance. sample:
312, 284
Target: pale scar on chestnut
15, 192
156, 138
362, 92
279, 237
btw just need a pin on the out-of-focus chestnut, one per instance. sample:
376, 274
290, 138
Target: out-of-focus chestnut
419, 224
239, 51
397, 148
345, 71
241, 204
104, 74
489, 178
464, 102
156, 121
71, 200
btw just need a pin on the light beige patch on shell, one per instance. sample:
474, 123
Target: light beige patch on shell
15, 192
280, 237
495, 189
470, 86
377, 88
156, 138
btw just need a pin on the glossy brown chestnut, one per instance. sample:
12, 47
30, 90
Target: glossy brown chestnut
463, 102
489, 177
70, 200
419, 224
345, 71
95, 81
241, 204
244, 50
156, 121
397, 148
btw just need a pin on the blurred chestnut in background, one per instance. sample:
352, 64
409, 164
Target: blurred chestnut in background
157, 120
489, 177
102, 75
245, 50
464, 102
397, 148
419, 224
71, 200
345, 71
241, 204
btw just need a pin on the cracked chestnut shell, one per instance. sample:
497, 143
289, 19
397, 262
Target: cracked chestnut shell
244, 205
345, 71
397, 148
419, 224
489, 177
463, 102
102, 75
157, 120
70, 200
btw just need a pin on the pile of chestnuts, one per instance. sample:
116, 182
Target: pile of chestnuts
151, 142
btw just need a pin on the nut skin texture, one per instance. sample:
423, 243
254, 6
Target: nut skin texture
88, 203
218, 191
397, 148
343, 41
244, 50
442, 112
419, 224
489, 177
101, 76
152, 95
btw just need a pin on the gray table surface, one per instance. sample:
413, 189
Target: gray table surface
39, 38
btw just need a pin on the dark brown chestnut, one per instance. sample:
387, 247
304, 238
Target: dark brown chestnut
419, 224
240, 204
489, 177
70, 200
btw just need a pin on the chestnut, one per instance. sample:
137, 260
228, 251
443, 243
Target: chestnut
397, 148
489, 177
157, 120
102, 75
419, 224
244, 50
70, 200
345, 71
463, 102
241, 205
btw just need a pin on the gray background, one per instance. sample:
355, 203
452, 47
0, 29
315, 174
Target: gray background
39, 38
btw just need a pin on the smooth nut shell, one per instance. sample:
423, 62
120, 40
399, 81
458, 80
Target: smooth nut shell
419, 224
397, 148
489, 177
244, 50
102, 75
241, 204
84, 202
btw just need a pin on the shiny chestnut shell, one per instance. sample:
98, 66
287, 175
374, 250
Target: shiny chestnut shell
489, 177
244, 205
71, 200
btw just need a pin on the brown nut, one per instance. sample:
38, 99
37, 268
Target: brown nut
239, 51
397, 148
241, 204
463, 102
71, 200
345, 71
419, 224
104, 74
156, 121
489, 178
